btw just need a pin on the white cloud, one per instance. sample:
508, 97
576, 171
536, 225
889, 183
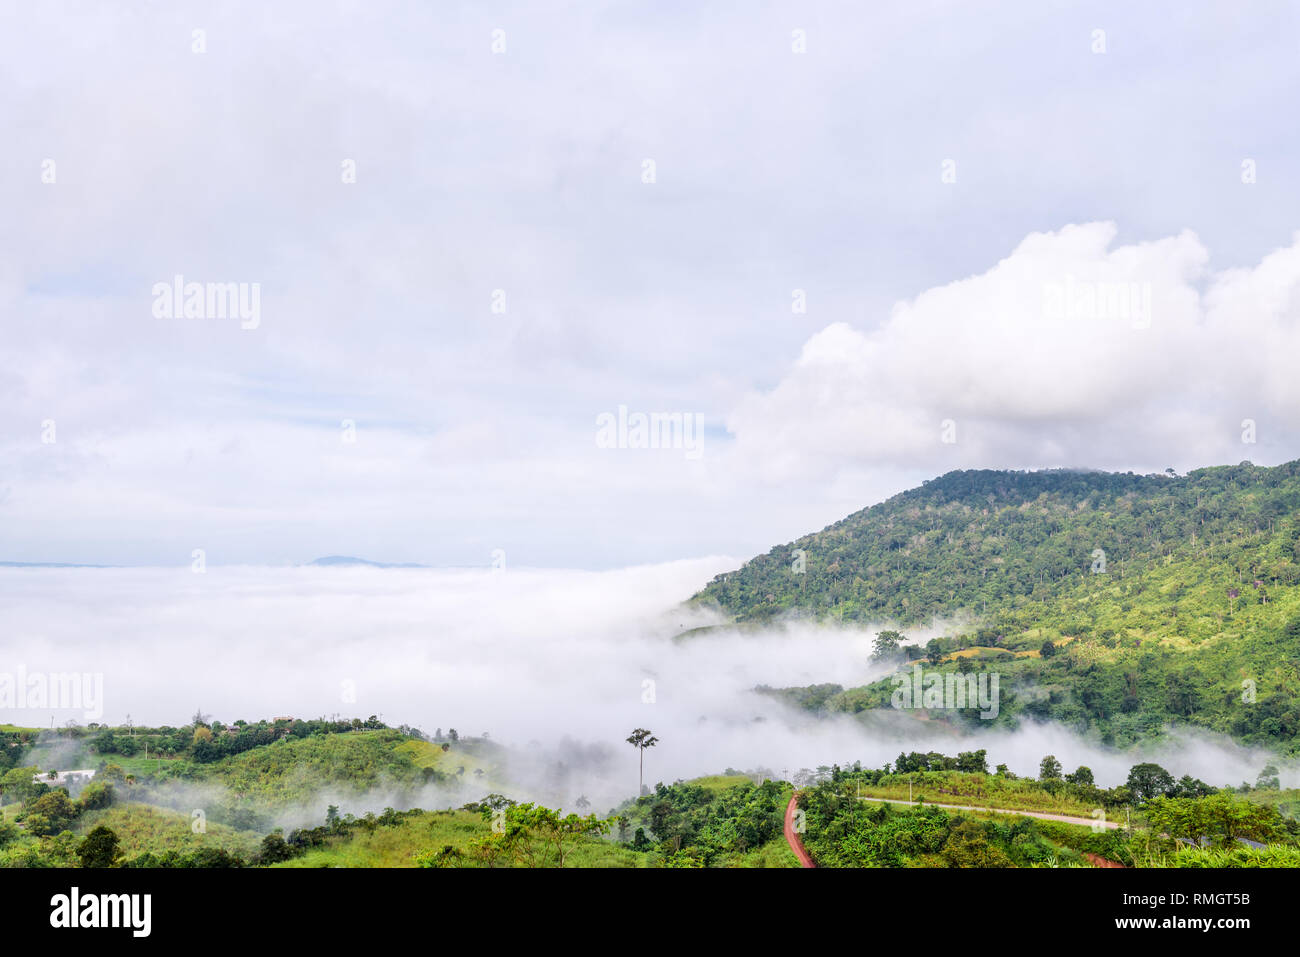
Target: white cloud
520, 171
1071, 351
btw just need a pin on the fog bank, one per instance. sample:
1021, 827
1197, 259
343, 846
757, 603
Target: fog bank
557, 665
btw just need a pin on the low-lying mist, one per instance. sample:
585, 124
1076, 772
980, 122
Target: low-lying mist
557, 666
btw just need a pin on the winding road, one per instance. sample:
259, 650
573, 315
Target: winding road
805, 860
791, 838
1045, 815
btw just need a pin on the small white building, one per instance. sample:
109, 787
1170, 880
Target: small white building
65, 779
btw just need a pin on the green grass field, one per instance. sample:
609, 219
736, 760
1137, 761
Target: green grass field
775, 853
139, 765
143, 827
976, 790
432, 830
720, 782
427, 754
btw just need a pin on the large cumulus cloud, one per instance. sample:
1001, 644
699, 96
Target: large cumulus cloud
1071, 351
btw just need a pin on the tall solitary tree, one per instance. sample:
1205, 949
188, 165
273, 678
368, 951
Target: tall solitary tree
1148, 781
642, 739
886, 644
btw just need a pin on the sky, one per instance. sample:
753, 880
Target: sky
860, 246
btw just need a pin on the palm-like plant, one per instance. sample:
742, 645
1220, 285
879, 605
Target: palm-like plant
642, 739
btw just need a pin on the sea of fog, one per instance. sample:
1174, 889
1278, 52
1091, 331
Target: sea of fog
561, 665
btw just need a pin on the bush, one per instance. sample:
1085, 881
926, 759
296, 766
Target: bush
95, 796
50, 814
276, 849
99, 848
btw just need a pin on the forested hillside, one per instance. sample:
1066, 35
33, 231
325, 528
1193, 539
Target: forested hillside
1014, 539
1117, 603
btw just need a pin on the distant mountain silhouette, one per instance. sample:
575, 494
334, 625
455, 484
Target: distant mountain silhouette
329, 560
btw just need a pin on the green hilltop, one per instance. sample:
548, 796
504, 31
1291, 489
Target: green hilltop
1115, 603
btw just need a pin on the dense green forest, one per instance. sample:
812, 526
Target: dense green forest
1116, 604
846, 827
903, 815
1015, 540
174, 811
725, 821
210, 795
204, 794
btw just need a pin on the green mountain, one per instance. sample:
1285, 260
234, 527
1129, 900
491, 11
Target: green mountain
1162, 599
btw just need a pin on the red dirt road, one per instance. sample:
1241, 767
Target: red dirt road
792, 838
1099, 861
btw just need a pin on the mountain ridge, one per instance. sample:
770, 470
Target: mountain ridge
1117, 604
